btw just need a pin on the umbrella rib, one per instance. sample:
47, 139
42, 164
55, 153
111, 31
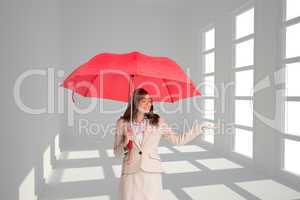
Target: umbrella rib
93, 79
164, 80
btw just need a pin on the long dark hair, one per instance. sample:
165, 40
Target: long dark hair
139, 94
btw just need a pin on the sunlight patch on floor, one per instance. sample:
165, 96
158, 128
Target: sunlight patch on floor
269, 190
117, 170
169, 195
189, 148
110, 153
164, 150
82, 174
212, 192
174, 167
80, 155
218, 164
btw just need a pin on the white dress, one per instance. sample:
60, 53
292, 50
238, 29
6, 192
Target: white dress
139, 186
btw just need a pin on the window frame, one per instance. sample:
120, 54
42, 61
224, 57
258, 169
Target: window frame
283, 62
205, 52
244, 8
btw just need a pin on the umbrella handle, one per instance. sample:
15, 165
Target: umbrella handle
130, 144
131, 84
73, 96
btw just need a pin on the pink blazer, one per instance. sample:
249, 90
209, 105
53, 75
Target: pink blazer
145, 156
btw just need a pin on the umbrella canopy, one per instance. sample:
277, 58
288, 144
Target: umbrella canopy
113, 76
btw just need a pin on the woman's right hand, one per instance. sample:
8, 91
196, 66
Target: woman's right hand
128, 135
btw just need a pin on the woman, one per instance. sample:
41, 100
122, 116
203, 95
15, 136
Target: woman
141, 168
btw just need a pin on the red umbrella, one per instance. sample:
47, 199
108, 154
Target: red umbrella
115, 76
109, 76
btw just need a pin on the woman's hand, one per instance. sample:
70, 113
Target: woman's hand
128, 135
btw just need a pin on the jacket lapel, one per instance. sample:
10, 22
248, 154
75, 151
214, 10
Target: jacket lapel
146, 135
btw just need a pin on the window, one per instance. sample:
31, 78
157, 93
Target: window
242, 140
243, 112
291, 161
292, 9
209, 89
244, 24
244, 53
208, 58
291, 64
292, 41
209, 41
244, 83
243, 69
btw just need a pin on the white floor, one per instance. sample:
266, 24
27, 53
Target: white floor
189, 175
212, 192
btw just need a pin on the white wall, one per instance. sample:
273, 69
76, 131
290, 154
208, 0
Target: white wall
30, 39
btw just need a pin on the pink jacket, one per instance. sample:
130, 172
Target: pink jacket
146, 155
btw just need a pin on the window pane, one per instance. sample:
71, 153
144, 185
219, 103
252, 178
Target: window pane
292, 79
292, 9
209, 108
209, 135
244, 53
292, 110
243, 112
209, 85
291, 156
47, 167
209, 39
243, 140
209, 62
244, 24
293, 41
244, 83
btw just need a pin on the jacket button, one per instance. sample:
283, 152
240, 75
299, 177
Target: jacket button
140, 152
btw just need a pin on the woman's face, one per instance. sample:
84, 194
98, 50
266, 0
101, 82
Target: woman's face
145, 104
